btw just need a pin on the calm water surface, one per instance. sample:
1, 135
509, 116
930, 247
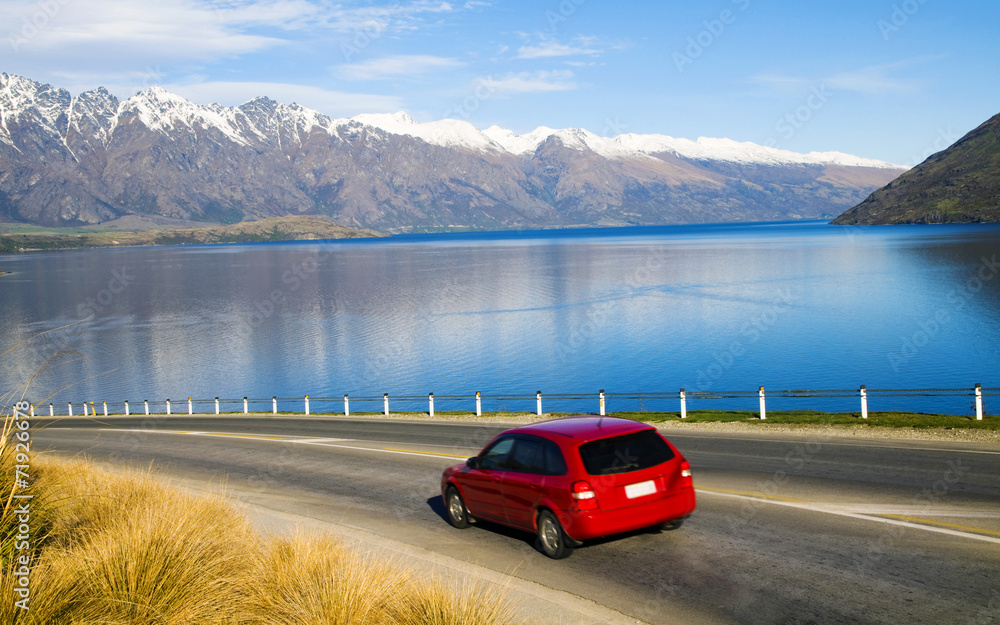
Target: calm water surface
721, 307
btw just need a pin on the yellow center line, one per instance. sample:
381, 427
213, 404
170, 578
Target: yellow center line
748, 494
428, 453
939, 524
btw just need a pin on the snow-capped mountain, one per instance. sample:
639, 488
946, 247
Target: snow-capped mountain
77, 160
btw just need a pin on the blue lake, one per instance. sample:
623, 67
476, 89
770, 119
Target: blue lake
797, 305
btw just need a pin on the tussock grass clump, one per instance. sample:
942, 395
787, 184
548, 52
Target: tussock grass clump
126, 549
311, 579
437, 602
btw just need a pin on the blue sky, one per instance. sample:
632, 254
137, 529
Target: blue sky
893, 80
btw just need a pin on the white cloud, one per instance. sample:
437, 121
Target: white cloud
534, 82
174, 31
394, 66
548, 48
332, 103
872, 80
875, 80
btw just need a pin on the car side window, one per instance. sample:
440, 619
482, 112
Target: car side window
495, 458
528, 456
555, 464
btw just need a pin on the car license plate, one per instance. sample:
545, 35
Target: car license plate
641, 489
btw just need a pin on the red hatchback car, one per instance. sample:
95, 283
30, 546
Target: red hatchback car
571, 479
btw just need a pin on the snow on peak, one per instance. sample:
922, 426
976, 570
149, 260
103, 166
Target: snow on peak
706, 148
162, 110
451, 133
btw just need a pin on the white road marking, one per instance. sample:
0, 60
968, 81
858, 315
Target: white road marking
821, 440
834, 510
319, 442
853, 515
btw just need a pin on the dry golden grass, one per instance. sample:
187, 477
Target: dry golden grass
436, 602
126, 549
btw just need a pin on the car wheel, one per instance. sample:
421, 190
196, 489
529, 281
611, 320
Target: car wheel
458, 514
552, 539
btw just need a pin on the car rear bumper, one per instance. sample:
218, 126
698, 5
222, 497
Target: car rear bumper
581, 525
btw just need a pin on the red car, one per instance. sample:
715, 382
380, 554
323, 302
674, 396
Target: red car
571, 479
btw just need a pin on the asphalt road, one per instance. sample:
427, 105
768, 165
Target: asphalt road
788, 529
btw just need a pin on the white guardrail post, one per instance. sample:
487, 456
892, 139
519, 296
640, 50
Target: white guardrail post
85, 409
105, 409
430, 403
126, 408
168, 407
307, 404
274, 404
216, 405
385, 404
69, 408
763, 413
479, 404
864, 402
145, 406
52, 410
538, 403
190, 406
246, 405
979, 402
347, 406
684, 405
602, 402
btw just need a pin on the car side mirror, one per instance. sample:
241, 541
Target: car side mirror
473, 462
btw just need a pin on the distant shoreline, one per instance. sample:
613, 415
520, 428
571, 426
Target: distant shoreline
289, 228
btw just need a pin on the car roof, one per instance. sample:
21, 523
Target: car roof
585, 428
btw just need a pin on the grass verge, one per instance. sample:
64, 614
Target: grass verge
124, 548
888, 419
807, 417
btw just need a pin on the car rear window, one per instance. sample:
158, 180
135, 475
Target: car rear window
622, 454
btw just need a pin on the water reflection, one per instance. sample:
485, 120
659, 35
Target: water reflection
646, 309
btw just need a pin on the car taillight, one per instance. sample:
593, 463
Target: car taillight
686, 474
584, 496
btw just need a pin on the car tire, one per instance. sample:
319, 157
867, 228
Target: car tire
552, 539
458, 514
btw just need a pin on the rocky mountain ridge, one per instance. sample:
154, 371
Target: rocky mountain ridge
960, 184
81, 160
